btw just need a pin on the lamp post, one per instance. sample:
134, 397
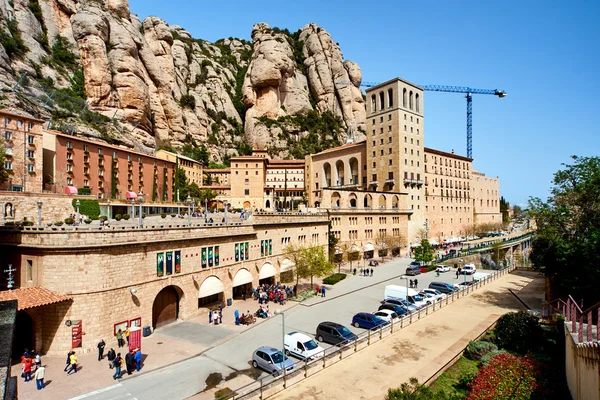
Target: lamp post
141, 200
279, 312
189, 204
108, 209
225, 206
77, 203
406, 279
39, 204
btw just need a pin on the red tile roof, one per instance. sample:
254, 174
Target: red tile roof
30, 297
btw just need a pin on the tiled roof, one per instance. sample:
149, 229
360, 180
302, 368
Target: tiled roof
30, 297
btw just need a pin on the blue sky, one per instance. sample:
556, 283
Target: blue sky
544, 54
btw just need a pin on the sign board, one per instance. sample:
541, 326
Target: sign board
135, 338
76, 334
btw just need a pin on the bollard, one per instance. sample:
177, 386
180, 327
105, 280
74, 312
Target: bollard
340, 353
392, 325
369, 338
306, 368
284, 377
380, 332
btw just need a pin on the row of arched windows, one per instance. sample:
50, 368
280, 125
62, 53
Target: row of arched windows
409, 100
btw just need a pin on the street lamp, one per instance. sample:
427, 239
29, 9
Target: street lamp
279, 312
39, 204
108, 209
141, 200
77, 203
225, 206
406, 279
189, 204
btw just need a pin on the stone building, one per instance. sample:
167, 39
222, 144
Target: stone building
486, 198
22, 140
285, 182
448, 205
395, 145
105, 170
191, 167
100, 279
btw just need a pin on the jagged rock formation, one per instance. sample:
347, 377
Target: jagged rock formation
149, 84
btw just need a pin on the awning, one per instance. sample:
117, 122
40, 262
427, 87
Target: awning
211, 285
433, 242
130, 195
267, 271
242, 277
286, 265
30, 297
354, 248
70, 190
369, 247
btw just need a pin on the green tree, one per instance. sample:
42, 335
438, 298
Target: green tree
3, 171
424, 252
312, 261
206, 195
567, 240
294, 253
180, 183
504, 207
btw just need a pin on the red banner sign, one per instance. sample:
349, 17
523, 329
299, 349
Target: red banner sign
135, 338
76, 335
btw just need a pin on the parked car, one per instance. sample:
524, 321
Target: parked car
302, 346
443, 287
373, 263
271, 360
386, 315
334, 333
436, 293
468, 269
402, 302
368, 321
466, 283
429, 298
442, 268
402, 292
413, 270
393, 307
415, 263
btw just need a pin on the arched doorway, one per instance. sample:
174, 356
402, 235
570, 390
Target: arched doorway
24, 334
268, 204
336, 200
242, 283
165, 308
267, 274
246, 205
211, 292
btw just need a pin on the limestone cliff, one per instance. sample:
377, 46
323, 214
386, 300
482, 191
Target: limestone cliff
92, 67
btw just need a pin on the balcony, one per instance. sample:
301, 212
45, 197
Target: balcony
101, 163
101, 174
69, 159
86, 160
391, 180
9, 151
374, 183
86, 172
130, 177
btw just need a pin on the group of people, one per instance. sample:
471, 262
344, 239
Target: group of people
123, 336
276, 293
413, 283
263, 312
215, 316
33, 365
132, 360
364, 272
244, 319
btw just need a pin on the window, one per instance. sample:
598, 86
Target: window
390, 161
389, 128
85, 148
247, 192
115, 156
8, 165
246, 181
410, 100
69, 145
417, 102
30, 270
7, 135
30, 154
381, 100
70, 181
373, 104
31, 167
404, 100
99, 152
390, 97
86, 183
20, 124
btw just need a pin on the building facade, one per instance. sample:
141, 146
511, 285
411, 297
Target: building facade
106, 171
486, 199
192, 168
22, 140
395, 145
105, 279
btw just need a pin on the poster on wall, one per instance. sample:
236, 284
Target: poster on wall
169, 263
204, 257
210, 256
262, 248
242, 252
216, 256
160, 264
247, 251
237, 252
177, 261
270, 247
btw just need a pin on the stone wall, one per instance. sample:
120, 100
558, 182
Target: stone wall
25, 205
582, 362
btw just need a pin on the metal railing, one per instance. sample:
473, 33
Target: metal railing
580, 320
269, 385
479, 249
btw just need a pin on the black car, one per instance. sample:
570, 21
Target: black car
334, 333
443, 287
400, 310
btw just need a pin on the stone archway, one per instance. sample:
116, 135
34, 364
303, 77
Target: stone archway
165, 308
24, 334
246, 205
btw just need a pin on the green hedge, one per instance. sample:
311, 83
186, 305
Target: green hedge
88, 207
431, 268
333, 279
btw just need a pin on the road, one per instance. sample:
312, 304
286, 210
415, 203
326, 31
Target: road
231, 360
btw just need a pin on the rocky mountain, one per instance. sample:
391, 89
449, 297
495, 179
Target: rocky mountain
93, 68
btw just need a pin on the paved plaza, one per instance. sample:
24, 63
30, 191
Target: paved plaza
192, 358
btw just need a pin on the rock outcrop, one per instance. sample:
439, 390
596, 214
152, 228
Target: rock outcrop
150, 84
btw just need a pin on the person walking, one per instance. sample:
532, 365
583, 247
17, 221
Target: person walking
216, 318
210, 320
27, 368
236, 314
120, 338
101, 346
127, 332
68, 362
129, 362
117, 365
138, 359
111, 357
220, 316
39, 377
323, 291
73, 362
354, 272
416, 284
371, 271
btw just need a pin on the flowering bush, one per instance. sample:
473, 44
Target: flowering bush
506, 377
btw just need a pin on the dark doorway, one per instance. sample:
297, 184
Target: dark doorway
166, 307
24, 335
239, 290
269, 281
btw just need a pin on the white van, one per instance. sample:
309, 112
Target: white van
302, 346
404, 293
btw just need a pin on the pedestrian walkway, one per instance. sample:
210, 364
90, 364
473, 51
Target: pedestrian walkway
421, 349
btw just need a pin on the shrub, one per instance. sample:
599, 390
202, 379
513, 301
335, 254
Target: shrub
143, 215
89, 207
58, 223
476, 350
163, 215
519, 331
333, 279
118, 217
103, 217
486, 358
27, 223
173, 215
224, 393
126, 216
69, 221
187, 100
431, 268
87, 221
84, 190
506, 377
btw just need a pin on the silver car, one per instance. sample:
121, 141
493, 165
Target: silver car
271, 360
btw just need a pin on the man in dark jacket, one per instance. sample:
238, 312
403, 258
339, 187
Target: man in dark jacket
129, 362
101, 346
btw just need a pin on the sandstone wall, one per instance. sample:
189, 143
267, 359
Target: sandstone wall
55, 207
